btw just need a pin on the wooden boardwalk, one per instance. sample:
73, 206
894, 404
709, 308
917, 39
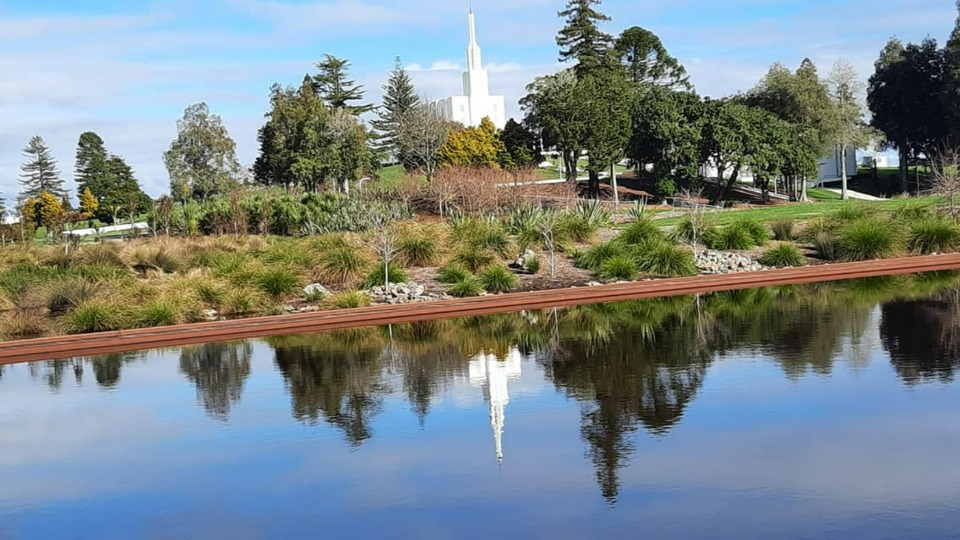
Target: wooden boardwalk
61, 347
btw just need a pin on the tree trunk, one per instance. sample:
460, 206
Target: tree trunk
613, 184
843, 172
904, 162
593, 186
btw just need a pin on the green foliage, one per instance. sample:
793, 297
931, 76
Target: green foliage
498, 279
851, 212
581, 39
521, 146
452, 273
474, 260
202, 160
399, 98
40, 174
666, 260
64, 295
23, 324
532, 265
783, 230
868, 239
334, 212
420, 247
376, 277
159, 312
594, 257
242, 300
349, 300
94, 316
586, 219
782, 256
473, 147
467, 287
731, 237
825, 244
280, 281
481, 234
910, 211
639, 232
757, 231
333, 85
933, 236
618, 268
341, 264
314, 296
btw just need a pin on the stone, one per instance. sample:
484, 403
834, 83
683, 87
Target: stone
314, 289
210, 314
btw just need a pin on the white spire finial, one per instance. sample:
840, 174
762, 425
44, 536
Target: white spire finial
474, 62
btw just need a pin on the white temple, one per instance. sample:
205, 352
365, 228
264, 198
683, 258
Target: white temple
476, 101
492, 375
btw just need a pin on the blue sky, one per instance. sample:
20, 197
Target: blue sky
127, 69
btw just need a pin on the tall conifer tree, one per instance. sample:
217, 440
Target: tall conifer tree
399, 97
39, 172
581, 38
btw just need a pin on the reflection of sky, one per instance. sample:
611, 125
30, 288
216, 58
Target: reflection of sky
757, 455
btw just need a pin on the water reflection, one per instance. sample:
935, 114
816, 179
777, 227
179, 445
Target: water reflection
923, 337
219, 371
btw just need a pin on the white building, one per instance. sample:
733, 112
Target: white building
476, 102
492, 374
829, 166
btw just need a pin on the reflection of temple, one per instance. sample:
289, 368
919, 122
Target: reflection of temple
492, 374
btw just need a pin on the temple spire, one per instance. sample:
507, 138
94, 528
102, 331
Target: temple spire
474, 62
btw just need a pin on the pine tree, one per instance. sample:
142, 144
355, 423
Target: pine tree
399, 97
335, 88
582, 40
39, 173
91, 171
951, 79
88, 204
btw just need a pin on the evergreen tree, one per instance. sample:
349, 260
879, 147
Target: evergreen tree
951, 91
335, 88
202, 160
39, 173
88, 204
399, 98
90, 170
581, 38
521, 146
124, 189
647, 61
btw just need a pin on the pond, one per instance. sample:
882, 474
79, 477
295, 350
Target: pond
826, 411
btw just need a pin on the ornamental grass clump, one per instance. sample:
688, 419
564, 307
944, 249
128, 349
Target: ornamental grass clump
349, 300
498, 279
641, 231
474, 260
594, 257
868, 239
731, 237
757, 231
452, 273
23, 324
159, 312
341, 264
420, 247
667, 260
242, 301
467, 287
933, 236
618, 268
280, 281
782, 256
783, 230
67, 294
825, 244
378, 278
95, 316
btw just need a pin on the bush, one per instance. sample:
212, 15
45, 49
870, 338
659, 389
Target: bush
498, 279
852, 212
466, 287
102, 254
349, 300
360, 212
641, 231
532, 265
23, 324
67, 294
783, 230
420, 247
868, 239
94, 316
376, 276
825, 244
244, 300
160, 312
618, 268
280, 281
474, 260
667, 260
683, 231
481, 234
594, 257
817, 227
911, 211
341, 265
782, 256
452, 274
757, 231
731, 237
287, 252
933, 236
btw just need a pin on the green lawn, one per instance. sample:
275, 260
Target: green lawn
822, 194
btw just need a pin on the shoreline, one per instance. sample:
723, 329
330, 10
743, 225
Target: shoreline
63, 347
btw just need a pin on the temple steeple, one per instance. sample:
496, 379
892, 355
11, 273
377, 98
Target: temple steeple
474, 59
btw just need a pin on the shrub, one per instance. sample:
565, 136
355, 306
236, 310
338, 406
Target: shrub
532, 265
618, 268
162, 258
341, 265
641, 231
64, 295
349, 300
911, 211
485, 234
852, 212
376, 276
102, 254
594, 257
288, 253
241, 301
94, 316
867, 239
668, 261
782, 256
474, 260
314, 296
933, 236
783, 230
467, 287
757, 231
23, 324
421, 247
452, 273
825, 244
159, 312
683, 231
582, 223
731, 237
498, 279
523, 217
280, 281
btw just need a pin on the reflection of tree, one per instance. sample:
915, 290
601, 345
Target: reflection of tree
51, 372
107, 370
219, 370
336, 376
923, 337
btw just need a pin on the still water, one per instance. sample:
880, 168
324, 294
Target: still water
816, 412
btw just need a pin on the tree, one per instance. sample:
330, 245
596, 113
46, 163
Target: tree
581, 38
334, 87
424, 132
666, 133
219, 370
202, 160
39, 173
551, 107
729, 137
90, 170
349, 154
88, 204
850, 129
605, 103
951, 90
399, 98
473, 147
521, 146
905, 96
647, 61
47, 211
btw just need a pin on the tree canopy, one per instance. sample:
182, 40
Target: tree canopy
334, 86
202, 160
647, 61
39, 173
581, 39
399, 97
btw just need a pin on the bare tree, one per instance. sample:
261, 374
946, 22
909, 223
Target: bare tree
700, 216
549, 225
852, 132
384, 242
423, 132
946, 178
